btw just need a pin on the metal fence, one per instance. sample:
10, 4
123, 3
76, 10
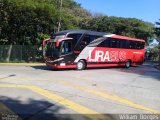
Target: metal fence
21, 53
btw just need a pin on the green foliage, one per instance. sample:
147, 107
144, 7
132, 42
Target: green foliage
157, 29
123, 26
156, 53
27, 22
22, 20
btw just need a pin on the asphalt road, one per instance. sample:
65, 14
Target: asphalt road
38, 92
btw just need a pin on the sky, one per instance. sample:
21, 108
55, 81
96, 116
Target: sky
146, 10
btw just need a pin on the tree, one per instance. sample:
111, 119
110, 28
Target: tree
157, 31
23, 20
27, 22
122, 26
60, 10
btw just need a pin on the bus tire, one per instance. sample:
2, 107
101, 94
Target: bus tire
81, 65
128, 64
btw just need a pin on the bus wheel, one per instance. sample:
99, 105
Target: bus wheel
128, 64
81, 65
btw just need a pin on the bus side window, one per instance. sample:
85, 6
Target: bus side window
102, 44
113, 43
84, 42
138, 45
75, 37
105, 43
108, 42
142, 44
93, 37
122, 44
118, 43
132, 45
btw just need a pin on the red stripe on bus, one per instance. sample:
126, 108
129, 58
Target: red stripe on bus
104, 65
127, 38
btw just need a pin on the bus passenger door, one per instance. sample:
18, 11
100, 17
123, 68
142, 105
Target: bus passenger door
67, 52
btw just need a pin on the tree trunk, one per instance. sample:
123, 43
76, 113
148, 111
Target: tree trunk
60, 10
9, 53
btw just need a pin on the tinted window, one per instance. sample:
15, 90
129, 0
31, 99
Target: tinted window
132, 45
135, 45
66, 47
140, 45
114, 43
75, 37
51, 49
102, 44
93, 37
86, 40
122, 44
105, 43
97, 42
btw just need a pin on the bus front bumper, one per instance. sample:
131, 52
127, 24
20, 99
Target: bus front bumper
60, 66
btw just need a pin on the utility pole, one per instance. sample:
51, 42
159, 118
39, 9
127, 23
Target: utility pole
60, 11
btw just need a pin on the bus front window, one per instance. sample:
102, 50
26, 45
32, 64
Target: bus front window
66, 47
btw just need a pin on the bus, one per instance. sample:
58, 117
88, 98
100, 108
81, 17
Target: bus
82, 49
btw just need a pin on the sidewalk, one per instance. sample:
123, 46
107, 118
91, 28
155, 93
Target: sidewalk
22, 64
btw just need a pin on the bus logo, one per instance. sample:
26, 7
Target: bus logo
104, 56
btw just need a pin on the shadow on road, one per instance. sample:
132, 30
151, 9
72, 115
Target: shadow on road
146, 70
43, 68
48, 68
40, 110
35, 110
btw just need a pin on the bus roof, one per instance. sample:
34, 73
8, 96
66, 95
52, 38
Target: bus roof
65, 32
89, 32
123, 37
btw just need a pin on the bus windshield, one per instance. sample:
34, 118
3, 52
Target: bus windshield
52, 50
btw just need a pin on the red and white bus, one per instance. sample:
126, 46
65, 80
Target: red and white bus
82, 49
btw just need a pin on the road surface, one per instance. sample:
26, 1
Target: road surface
38, 92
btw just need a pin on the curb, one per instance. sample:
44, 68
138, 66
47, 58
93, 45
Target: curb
22, 64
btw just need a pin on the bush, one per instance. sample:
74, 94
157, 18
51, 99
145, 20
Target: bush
155, 53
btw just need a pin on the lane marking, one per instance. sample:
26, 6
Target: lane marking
61, 100
5, 111
109, 96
